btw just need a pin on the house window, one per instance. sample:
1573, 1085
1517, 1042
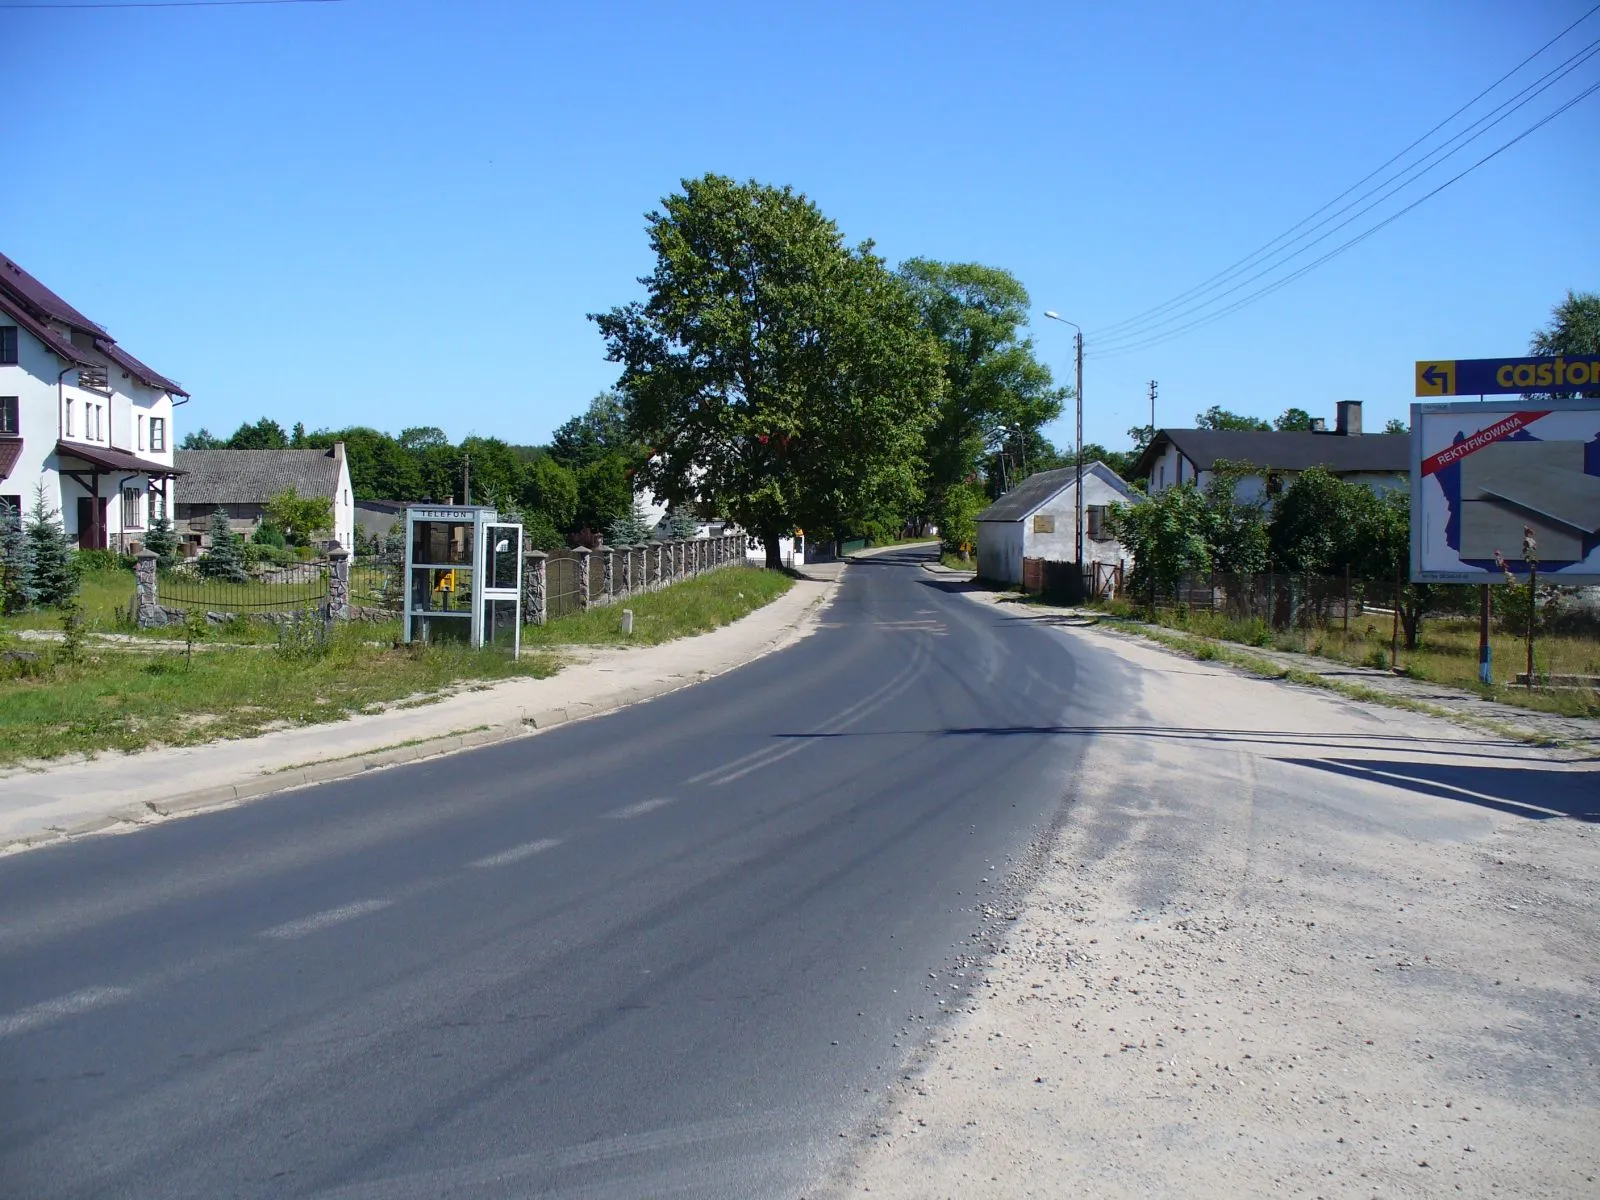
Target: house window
132, 508
138, 422
1163, 476
71, 404
8, 345
8, 416
1097, 522
99, 409
1044, 524
158, 434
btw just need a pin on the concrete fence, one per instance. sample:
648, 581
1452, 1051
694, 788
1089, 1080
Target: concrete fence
587, 579
614, 573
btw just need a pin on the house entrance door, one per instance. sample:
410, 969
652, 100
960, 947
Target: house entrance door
92, 522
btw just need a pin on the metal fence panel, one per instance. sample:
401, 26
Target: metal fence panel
561, 585
262, 589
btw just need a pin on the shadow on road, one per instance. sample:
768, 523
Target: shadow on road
1483, 749
1520, 791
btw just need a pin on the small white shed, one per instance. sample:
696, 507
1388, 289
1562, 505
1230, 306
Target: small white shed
1035, 520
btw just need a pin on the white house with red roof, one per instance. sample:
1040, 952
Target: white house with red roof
81, 416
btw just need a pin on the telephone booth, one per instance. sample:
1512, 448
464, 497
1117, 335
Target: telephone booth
463, 577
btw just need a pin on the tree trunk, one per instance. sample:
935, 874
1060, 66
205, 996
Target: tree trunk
772, 541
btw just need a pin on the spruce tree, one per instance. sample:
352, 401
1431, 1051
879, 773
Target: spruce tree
681, 523
225, 559
17, 591
162, 541
55, 574
631, 529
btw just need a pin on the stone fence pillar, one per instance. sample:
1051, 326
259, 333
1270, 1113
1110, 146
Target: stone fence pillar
146, 603
535, 587
584, 599
658, 551
608, 574
338, 605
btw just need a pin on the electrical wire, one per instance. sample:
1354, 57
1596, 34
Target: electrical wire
1340, 249
1255, 255
164, 4
1521, 100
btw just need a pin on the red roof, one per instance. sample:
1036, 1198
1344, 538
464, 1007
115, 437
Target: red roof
10, 451
32, 304
35, 295
114, 460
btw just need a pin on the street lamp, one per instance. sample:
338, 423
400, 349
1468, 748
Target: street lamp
1078, 457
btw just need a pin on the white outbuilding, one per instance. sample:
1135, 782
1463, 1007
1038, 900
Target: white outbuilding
1035, 520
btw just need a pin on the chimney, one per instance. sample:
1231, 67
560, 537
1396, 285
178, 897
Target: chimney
1349, 419
1318, 425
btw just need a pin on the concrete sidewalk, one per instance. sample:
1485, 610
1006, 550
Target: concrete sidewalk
121, 791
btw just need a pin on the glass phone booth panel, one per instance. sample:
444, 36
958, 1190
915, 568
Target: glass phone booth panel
501, 612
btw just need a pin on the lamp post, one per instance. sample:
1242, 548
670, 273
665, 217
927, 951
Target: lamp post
1078, 456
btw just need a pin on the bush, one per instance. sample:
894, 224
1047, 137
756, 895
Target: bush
104, 560
268, 534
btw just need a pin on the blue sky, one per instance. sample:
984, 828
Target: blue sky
398, 212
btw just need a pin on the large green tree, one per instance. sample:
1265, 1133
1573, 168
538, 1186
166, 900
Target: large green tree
777, 375
1574, 330
997, 394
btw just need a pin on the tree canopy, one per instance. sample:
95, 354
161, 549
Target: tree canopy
997, 395
773, 372
1217, 417
1574, 330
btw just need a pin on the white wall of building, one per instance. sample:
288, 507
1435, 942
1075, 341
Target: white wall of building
1000, 551
43, 407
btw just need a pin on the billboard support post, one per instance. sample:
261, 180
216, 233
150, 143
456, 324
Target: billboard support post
1394, 635
1485, 654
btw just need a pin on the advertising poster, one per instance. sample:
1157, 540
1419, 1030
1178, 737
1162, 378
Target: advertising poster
1485, 474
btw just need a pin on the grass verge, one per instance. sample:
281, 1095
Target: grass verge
1207, 650
122, 700
1447, 653
696, 605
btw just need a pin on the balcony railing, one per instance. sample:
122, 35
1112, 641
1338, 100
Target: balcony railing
94, 379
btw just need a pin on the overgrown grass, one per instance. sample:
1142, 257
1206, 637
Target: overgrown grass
125, 700
953, 561
696, 605
1447, 652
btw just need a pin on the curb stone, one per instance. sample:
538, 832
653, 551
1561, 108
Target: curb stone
218, 796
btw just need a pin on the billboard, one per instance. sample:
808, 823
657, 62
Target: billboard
1483, 473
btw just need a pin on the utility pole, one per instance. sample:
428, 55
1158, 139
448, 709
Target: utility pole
1152, 409
1078, 486
466, 479
1078, 457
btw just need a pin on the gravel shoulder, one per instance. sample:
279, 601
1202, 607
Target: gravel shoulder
1285, 944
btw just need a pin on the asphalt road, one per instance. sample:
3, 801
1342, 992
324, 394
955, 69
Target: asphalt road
673, 951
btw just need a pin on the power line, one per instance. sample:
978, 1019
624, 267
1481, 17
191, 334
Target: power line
1250, 259
168, 4
1360, 237
1522, 99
